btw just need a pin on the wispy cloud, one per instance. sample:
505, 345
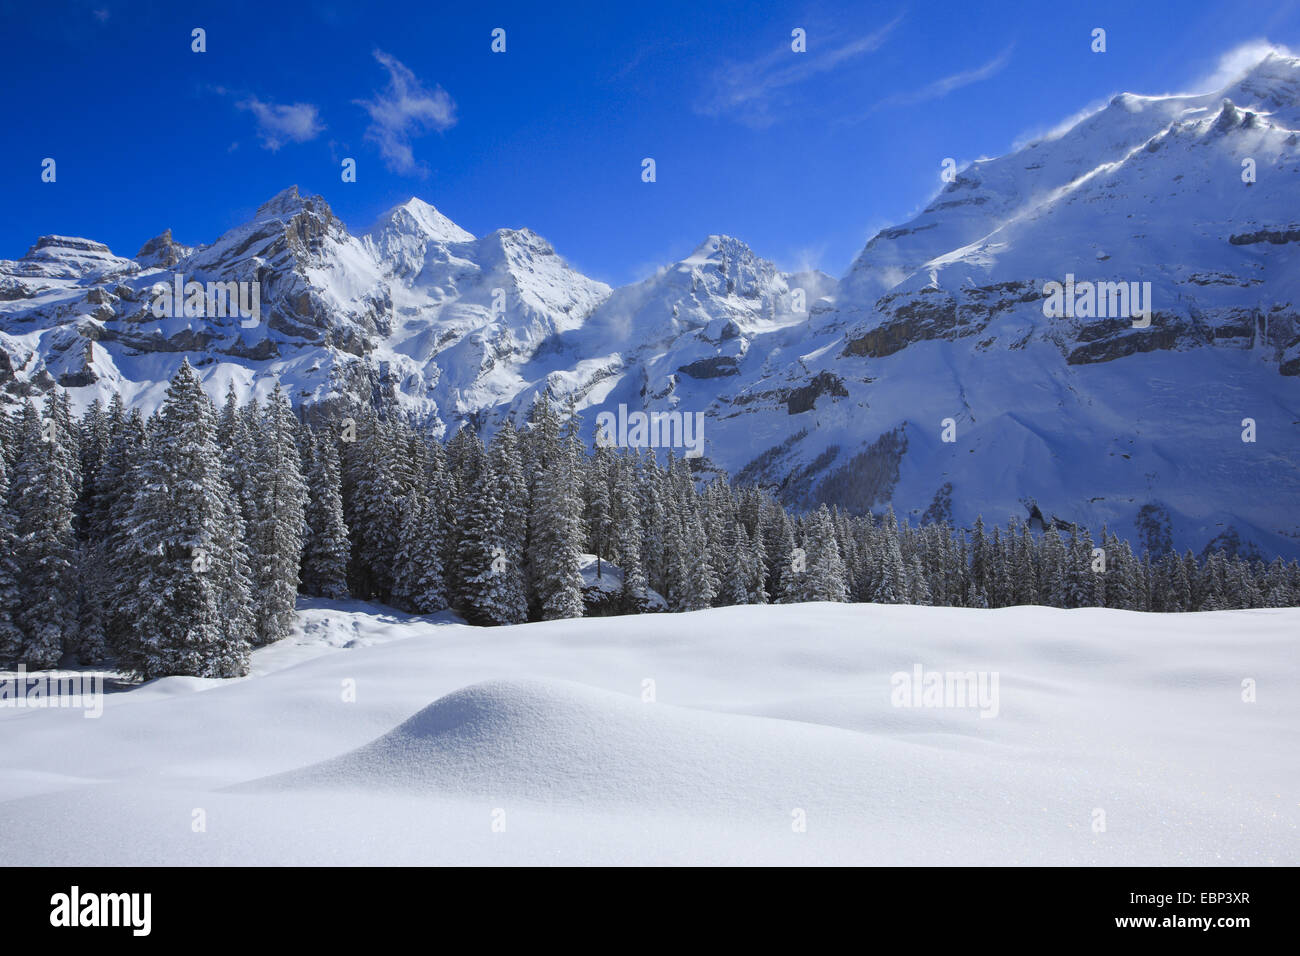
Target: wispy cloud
756, 93
645, 53
807, 258
280, 123
943, 86
405, 109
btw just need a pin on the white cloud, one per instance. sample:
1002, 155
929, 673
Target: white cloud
279, 123
945, 85
402, 111
807, 258
750, 92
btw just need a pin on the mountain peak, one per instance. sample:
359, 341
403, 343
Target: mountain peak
415, 216
162, 251
51, 245
1274, 81
282, 201
289, 202
1275, 64
718, 246
68, 257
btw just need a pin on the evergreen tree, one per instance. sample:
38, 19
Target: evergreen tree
1178, 590
466, 459
409, 560
918, 587
825, 566
1275, 587
10, 436
597, 514
744, 582
372, 501
44, 491
698, 582
96, 433
1142, 592
1028, 569
492, 545
892, 588
555, 530
1004, 587
11, 639
101, 478
796, 585
1053, 557
183, 548
419, 586
1193, 574
979, 560
1214, 583
627, 535
114, 496
235, 437
326, 548
654, 524
1080, 585
276, 498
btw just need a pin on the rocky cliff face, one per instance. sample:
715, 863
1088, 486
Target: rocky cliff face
162, 252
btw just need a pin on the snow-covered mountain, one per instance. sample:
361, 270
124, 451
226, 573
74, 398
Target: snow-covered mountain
827, 391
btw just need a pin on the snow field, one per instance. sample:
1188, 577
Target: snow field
770, 738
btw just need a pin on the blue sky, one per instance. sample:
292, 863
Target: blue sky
802, 155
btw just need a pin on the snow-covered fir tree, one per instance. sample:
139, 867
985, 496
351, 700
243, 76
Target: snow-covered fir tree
325, 550
555, 530
191, 603
826, 571
419, 586
11, 639
44, 490
893, 574
275, 508
628, 533
491, 547
372, 501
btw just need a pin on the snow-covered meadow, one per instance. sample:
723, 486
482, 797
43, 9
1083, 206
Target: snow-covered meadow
764, 734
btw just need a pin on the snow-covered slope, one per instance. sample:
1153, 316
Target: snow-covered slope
827, 391
1086, 419
1114, 738
1091, 419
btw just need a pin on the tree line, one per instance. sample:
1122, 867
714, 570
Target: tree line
178, 543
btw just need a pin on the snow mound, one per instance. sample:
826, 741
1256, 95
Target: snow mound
562, 742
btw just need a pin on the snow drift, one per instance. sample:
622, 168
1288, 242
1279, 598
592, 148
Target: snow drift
566, 742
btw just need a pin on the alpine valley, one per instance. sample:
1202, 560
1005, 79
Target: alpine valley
822, 390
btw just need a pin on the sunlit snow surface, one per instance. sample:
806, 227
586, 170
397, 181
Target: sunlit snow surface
537, 744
